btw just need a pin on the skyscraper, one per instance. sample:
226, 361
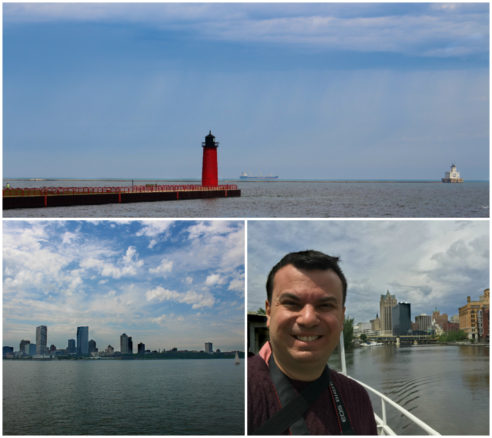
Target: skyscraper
126, 344
386, 304
208, 347
83, 340
401, 319
41, 339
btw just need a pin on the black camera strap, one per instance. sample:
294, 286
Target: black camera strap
296, 403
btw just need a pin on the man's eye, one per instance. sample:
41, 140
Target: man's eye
327, 306
290, 304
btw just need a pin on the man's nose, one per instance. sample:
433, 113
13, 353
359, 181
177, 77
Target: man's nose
308, 316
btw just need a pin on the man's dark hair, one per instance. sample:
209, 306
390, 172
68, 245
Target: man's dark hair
309, 260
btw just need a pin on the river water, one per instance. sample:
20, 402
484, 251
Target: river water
134, 397
445, 386
288, 199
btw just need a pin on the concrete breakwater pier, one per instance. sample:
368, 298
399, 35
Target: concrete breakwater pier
67, 196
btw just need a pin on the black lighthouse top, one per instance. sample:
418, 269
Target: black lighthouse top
209, 141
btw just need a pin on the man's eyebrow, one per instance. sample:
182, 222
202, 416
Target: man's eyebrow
289, 296
330, 299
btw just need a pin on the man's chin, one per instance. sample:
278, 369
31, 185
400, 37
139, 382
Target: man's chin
309, 356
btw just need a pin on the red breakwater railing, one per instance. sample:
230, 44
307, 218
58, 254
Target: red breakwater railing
53, 191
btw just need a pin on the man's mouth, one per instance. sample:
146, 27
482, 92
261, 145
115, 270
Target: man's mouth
307, 338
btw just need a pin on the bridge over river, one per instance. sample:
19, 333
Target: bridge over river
404, 339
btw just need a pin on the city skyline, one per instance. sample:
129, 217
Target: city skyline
327, 90
428, 264
167, 283
124, 343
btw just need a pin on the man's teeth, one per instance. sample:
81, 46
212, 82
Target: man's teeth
307, 338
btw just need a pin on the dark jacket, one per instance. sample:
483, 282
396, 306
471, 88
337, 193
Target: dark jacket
320, 418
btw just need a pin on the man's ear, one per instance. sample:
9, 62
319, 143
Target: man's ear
267, 310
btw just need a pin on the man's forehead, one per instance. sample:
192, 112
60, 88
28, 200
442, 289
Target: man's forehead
290, 278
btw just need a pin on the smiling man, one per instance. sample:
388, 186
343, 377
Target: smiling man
290, 388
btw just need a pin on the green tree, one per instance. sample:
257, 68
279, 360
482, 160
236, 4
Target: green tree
348, 332
458, 336
363, 337
261, 311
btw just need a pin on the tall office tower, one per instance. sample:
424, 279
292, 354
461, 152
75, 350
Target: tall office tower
124, 344
71, 348
208, 347
41, 339
130, 345
401, 319
83, 340
141, 348
386, 304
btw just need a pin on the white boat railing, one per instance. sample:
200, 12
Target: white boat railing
382, 423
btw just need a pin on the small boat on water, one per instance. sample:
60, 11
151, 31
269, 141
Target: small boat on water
236, 359
453, 176
371, 344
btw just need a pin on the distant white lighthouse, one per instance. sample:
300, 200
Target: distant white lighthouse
453, 176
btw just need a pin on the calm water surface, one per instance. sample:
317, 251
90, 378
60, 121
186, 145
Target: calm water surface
137, 397
292, 199
445, 386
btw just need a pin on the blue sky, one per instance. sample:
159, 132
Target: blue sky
297, 90
166, 284
428, 263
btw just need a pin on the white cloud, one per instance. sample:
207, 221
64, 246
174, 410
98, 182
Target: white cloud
214, 279
195, 299
165, 267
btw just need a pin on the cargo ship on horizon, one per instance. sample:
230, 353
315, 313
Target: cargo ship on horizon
245, 176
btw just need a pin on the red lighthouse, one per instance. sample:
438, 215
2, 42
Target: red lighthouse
210, 176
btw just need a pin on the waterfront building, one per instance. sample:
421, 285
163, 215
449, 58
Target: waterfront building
141, 348
25, 346
401, 319
41, 339
8, 351
71, 348
83, 340
109, 349
376, 325
126, 344
472, 316
386, 304
362, 328
92, 346
208, 348
483, 325
423, 323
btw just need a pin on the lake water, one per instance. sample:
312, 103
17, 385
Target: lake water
123, 397
445, 386
289, 199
